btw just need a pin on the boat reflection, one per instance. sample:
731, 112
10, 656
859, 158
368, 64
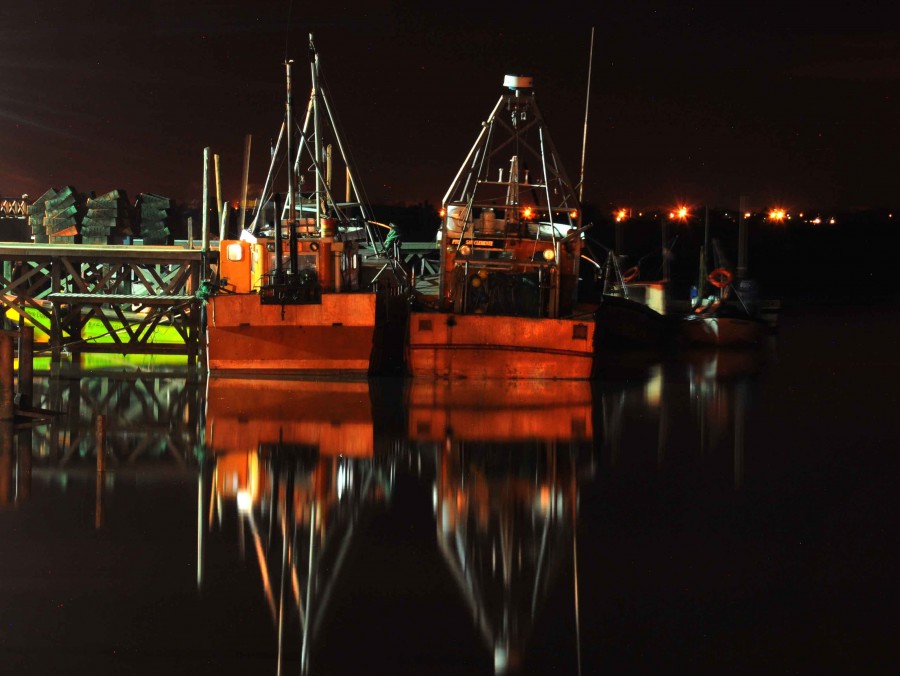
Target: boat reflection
509, 457
324, 488
690, 410
294, 461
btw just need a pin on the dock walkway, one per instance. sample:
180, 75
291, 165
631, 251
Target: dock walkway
129, 289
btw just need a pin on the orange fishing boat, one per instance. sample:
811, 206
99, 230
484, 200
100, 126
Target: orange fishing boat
511, 243
294, 297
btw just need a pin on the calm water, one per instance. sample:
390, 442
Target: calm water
717, 513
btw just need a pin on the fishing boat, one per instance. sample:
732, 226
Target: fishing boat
511, 241
720, 320
631, 314
292, 295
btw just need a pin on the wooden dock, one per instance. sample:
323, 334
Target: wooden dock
129, 290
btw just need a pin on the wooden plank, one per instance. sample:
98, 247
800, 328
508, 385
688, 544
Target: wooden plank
117, 299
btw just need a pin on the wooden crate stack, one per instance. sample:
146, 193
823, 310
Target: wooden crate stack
36, 216
106, 213
153, 211
62, 216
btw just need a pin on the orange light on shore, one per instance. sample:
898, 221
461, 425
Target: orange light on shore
680, 213
777, 215
621, 215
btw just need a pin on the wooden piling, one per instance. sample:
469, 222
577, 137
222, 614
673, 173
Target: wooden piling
244, 182
7, 379
26, 364
204, 228
100, 433
7, 482
219, 206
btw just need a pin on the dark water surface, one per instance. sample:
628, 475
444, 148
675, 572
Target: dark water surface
716, 513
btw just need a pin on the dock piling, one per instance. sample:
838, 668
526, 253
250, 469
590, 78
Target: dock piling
7, 378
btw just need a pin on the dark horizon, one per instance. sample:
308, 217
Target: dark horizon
790, 106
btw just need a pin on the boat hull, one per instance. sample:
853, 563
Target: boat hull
444, 345
625, 323
335, 336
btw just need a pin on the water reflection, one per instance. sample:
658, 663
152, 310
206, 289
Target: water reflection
690, 410
287, 478
297, 467
152, 427
508, 459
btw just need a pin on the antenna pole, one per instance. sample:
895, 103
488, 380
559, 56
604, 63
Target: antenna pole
587, 102
292, 212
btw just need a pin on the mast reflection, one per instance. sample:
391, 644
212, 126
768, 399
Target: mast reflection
294, 460
508, 460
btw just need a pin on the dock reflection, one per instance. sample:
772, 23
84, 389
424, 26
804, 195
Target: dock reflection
152, 429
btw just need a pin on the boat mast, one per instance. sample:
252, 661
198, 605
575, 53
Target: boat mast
292, 212
317, 137
587, 101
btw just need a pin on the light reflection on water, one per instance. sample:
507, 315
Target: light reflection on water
282, 526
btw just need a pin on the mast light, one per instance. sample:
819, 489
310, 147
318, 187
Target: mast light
517, 82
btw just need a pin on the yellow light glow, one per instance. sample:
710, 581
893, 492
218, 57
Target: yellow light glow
777, 215
234, 251
621, 215
465, 250
573, 214
747, 214
443, 212
527, 212
244, 501
549, 254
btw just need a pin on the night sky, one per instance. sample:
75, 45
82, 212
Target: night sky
794, 104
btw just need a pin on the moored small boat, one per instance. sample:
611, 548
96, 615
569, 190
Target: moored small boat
511, 244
